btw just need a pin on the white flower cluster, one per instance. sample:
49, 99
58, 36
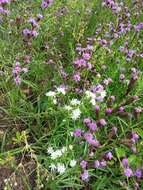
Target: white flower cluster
60, 167
53, 94
74, 109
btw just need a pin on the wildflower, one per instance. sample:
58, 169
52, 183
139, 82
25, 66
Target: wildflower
86, 56
87, 121
50, 94
83, 164
85, 176
128, 172
108, 111
61, 90
103, 163
76, 114
102, 122
75, 102
125, 162
50, 150
96, 164
61, 168
53, 167
17, 80
77, 132
138, 173
135, 137
73, 163
92, 126
109, 156
76, 77
56, 154
32, 22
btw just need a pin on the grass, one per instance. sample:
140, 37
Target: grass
30, 122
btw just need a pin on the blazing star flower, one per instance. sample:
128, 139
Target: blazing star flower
76, 77
92, 126
17, 80
138, 173
77, 132
96, 164
109, 156
85, 176
128, 172
125, 162
86, 56
102, 122
83, 164
87, 121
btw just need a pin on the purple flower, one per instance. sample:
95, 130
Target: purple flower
87, 121
109, 156
125, 162
108, 111
138, 173
92, 126
128, 172
135, 137
33, 22
34, 33
76, 77
80, 63
102, 122
96, 164
26, 32
17, 80
39, 17
77, 132
103, 163
86, 56
83, 164
85, 176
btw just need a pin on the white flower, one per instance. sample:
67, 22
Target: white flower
53, 167
76, 114
73, 163
61, 90
64, 149
61, 168
103, 93
70, 147
50, 150
68, 108
54, 101
50, 94
75, 102
71, 134
93, 102
56, 154
90, 94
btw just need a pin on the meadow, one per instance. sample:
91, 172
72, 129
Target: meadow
71, 95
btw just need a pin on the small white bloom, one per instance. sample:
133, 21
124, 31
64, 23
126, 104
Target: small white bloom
54, 101
53, 167
93, 102
68, 108
64, 149
73, 163
71, 134
50, 150
76, 114
61, 90
56, 154
70, 147
90, 94
61, 168
50, 94
75, 102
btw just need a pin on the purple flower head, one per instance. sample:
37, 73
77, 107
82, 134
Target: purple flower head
77, 132
39, 17
138, 110
34, 33
83, 164
102, 122
128, 172
125, 162
80, 63
135, 137
139, 26
4, 2
92, 126
103, 163
108, 111
138, 173
86, 56
87, 121
85, 176
33, 22
109, 156
96, 164
76, 77
27, 59
114, 130
91, 140
17, 80
26, 32
97, 108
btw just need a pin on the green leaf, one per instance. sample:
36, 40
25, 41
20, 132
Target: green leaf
120, 152
139, 132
